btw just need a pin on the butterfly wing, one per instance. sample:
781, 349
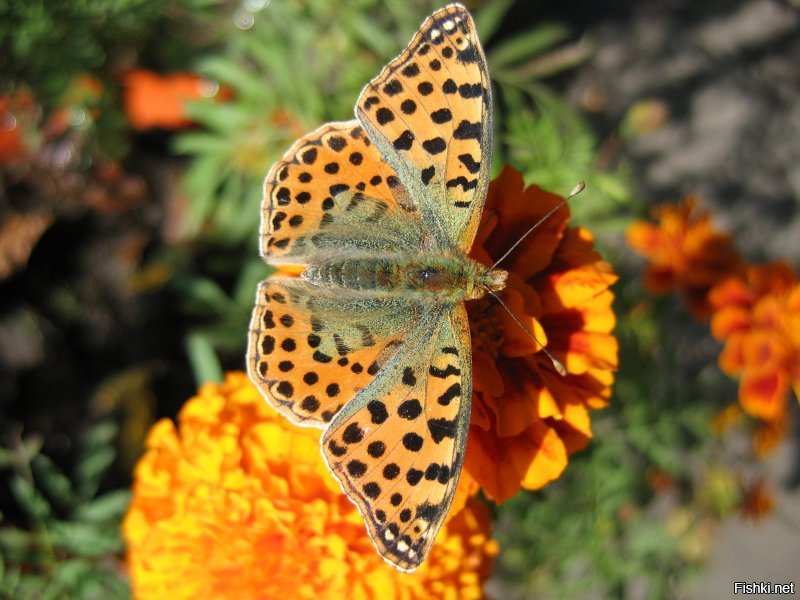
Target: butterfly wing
429, 112
398, 446
310, 350
332, 191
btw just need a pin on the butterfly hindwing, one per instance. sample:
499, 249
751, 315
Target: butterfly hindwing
398, 446
429, 113
310, 351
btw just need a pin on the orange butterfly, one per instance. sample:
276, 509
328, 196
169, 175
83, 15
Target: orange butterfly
371, 342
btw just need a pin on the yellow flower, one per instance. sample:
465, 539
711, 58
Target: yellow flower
236, 503
685, 253
526, 418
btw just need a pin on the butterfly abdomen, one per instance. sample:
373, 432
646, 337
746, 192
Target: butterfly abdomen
445, 278
373, 274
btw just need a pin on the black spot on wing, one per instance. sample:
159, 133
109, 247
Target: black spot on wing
384, 116
470, 90
473, 166
337, 143
444, 373
467, 131
442, 428
466, 184
392, 88
410, 70
436, 145
454, 391
443, 115
404, 140
468, 55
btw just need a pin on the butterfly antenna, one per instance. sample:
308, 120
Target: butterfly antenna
557, 364
575, 191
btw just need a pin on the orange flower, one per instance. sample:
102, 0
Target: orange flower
685, 253
526, 418
758, 319
237, 503
153, 100
17, 113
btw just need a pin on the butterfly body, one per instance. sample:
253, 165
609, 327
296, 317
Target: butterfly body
431, 277
369, 339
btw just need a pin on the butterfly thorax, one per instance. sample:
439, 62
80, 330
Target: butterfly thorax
441, 277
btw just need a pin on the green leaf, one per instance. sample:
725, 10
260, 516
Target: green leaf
253, 272
234, 74
200, 143
90, 470
86, 540
108, 507
526, 45
203, 295
101, 434
29, 499
203, 359
53, 481
489, 18
17, 544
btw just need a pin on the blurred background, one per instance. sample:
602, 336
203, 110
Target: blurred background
134, 137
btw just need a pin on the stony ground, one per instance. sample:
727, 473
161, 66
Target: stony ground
728, 75
725, 78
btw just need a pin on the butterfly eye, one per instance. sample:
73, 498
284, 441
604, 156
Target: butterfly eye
428, 274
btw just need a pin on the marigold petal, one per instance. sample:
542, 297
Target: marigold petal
236, 502
549, 461
762, 394
731, 359
643, 238
503, 465
728, 320
485, 375
517, 211
574, 428
516, 340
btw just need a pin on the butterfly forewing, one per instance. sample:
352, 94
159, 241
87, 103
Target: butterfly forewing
314, 199
429, 112
397, 448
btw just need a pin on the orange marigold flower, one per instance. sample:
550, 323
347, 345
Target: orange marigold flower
758, 318
153, 100
526, 418
685, 253
236, 503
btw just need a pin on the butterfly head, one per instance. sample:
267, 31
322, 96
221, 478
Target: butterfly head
483, 281
491, 280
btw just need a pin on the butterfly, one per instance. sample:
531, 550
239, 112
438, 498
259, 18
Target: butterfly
371, 342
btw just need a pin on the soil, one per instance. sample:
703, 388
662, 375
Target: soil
725, 77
